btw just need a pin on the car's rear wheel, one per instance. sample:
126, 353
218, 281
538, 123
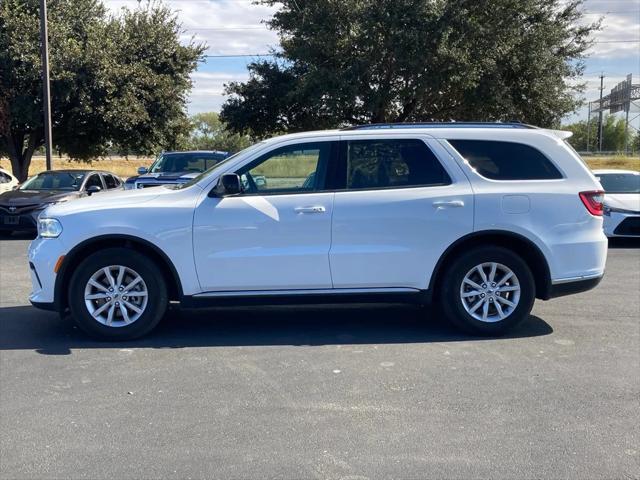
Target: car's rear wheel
117, 294
487, 291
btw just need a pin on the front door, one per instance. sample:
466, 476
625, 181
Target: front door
276, 234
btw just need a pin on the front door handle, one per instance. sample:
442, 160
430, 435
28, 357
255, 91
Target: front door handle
313, 209
448, 204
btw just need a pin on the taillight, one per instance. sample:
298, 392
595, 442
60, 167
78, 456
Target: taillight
594, 201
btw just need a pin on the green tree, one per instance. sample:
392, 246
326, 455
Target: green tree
356, 61
635, 144
580, 137
117, 82
613, 131
209, 133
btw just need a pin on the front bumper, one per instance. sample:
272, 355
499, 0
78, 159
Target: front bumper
43, 255
24, 222
50, 307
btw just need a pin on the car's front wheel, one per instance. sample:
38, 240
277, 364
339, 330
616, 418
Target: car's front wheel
487, 291
117, 294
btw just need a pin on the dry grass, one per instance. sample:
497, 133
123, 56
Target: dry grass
614, 161
123, 167
127, 167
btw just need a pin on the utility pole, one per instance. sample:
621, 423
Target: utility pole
600, 114
627, 108
46, 94
588, 127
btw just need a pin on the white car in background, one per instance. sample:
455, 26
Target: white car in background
7, 181
621, 202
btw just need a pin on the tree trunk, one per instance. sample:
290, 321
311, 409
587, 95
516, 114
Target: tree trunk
20, 155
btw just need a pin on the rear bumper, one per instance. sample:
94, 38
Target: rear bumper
569, 287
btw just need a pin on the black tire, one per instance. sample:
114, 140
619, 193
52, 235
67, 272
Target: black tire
142, 265
451, 303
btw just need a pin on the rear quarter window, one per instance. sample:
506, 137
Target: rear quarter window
506, 160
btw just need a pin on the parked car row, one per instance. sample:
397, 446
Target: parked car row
20, 205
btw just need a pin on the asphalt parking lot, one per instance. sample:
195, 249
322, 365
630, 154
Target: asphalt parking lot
325, 392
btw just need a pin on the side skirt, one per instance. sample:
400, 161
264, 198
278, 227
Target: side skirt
306, 297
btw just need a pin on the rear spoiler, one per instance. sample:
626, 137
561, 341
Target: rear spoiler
561, 134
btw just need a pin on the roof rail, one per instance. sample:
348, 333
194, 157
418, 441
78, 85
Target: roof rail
374, 126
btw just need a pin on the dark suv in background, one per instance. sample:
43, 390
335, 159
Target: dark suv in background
175, 168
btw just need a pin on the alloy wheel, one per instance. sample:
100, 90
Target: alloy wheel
116, 296
490, 292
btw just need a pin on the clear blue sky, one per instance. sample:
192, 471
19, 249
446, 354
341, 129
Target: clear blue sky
236, 27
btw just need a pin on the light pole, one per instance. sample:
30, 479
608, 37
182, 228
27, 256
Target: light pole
46, 94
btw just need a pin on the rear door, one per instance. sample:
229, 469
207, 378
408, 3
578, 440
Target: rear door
402, 201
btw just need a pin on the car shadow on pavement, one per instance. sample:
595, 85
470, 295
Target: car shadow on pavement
27, 328
18, 236
624, 242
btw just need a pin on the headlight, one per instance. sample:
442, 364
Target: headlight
49, 227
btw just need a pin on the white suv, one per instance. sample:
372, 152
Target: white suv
478, 219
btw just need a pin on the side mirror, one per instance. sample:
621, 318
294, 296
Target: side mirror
93, 189
142, 170
228, 184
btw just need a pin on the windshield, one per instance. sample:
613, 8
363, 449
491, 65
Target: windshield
206, 173
54, 181
620, 182
186, 162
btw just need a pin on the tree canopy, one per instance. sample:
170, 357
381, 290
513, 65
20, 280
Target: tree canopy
358, 61
117, 82
209, 133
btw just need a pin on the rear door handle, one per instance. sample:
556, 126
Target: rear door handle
449, 204
313, 209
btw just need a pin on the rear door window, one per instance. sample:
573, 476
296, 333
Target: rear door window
110, 181
374, 164
506, 160
93, 181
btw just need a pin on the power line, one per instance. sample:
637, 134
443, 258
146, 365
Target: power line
221, 29
240, 55
614, 12
618, 41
